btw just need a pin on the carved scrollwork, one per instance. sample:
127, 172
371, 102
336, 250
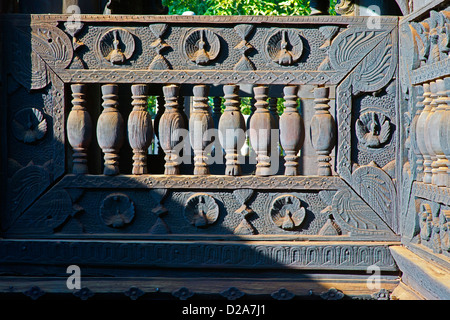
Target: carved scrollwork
117, 210
287, 212
285, 47
29, 125
116, 45
202, 46
373, 129
201, 210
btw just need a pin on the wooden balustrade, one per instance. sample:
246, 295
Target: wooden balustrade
171, 123
432, 133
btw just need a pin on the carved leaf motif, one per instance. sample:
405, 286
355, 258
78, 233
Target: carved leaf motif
350, 46
52, 45
376, 187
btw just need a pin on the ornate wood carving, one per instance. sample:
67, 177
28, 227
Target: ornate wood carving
29, 125
231, 130
285, 47
117, 210
159, 62
140, 130
116, 46
202, 46
373, 129
201, 210
322, 131
79, 129
421, 133
287, 212
292, 131
244, 63
110, 127
200, 122
261, 124
170, 124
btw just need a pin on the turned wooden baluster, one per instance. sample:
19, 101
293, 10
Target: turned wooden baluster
140, 130
232, 130
446, 131
429, 134
110, 127
261, 124
323, 130
421, 133
443, 154
158, 115
79, 129
169, 136
414, 134
199, 123
438, 129
292, 131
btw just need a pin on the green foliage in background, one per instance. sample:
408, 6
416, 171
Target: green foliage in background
240, 7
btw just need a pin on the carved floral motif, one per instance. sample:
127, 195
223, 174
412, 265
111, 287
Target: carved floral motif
373, 129
117, 210
287, 212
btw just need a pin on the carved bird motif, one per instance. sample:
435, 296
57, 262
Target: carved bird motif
373, 133
29, 125
202, 46
116, 55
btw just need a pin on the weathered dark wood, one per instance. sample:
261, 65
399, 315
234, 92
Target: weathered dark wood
140, 130
232, 130
292, 131
110, 129
170, 125
79, 129
323, 130
261, 125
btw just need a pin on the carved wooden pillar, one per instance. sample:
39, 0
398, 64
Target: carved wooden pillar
232, 130
446, 130
170, 122
421, 133
429, 134
261, 124
438, 130
292, 130
79, 129
158, 116
323, 130
110, 127
414, 134
200, 122
140, 130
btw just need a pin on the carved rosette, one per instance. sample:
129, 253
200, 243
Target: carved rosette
29, 125
287, 212
284, 47
202, 46
201, 210
373, 130
117, 210
116, 46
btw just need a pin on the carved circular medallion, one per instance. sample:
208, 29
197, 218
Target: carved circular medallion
201, 210
116, 45
287, 212
29, 125
202, 46
285, 47
373, 130
117, 210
